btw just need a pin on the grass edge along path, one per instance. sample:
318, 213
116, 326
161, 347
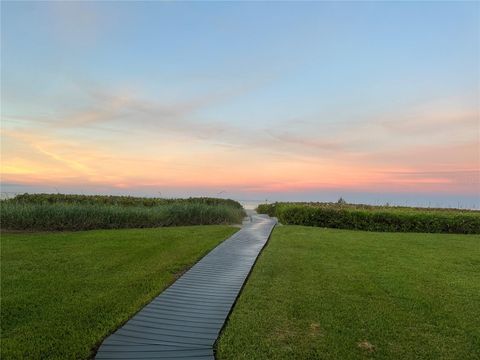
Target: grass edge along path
186, 319
62, 293
339, 294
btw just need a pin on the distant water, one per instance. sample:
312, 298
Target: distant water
251, 204
394, 199
467, 205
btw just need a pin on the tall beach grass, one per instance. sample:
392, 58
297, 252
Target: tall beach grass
50, 213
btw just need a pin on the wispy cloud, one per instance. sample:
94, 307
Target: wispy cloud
149, 143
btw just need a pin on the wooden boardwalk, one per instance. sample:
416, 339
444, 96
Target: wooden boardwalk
184, 321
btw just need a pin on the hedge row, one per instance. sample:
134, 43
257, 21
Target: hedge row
375, 218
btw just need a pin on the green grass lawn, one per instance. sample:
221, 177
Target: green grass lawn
62, 293
338, 294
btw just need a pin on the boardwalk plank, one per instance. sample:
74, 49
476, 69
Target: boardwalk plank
184, 321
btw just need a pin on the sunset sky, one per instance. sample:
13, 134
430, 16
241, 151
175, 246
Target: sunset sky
371, 101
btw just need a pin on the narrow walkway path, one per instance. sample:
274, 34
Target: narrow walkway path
184, 321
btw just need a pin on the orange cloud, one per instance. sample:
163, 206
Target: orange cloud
418, 151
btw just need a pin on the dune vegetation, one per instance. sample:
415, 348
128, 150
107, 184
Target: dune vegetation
375, 218
54, 212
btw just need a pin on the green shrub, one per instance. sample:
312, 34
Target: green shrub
372, 218
269, 209
78, 212
118, 200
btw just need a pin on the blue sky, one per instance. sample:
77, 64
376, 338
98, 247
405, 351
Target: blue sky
345, 88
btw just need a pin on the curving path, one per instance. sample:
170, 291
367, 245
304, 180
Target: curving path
184, 321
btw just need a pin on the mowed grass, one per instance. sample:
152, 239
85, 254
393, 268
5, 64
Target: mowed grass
62, 293
339, 294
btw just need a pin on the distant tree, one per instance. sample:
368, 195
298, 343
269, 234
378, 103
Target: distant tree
341, 201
